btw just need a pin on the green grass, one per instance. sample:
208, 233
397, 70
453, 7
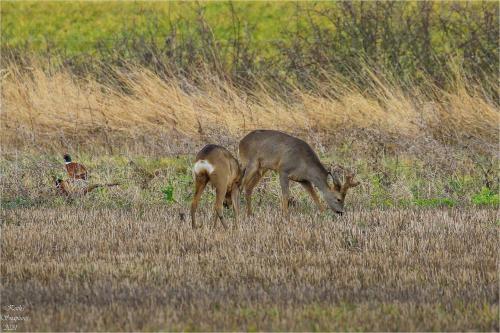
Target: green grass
77, 26
486, 197
292, 44
168, 192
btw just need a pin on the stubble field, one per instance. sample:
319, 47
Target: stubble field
76, 268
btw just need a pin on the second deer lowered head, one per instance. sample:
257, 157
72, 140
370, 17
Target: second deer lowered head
293, 159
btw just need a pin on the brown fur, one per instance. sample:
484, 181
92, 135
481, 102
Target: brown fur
293, 159
225, 179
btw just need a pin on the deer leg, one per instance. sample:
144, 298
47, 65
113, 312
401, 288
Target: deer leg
201, 183
310, 189
250, 187
228, 200
251, 171
235, 198
220, 194
251, 168
285, 192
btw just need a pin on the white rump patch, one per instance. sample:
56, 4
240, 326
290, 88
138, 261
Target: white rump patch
203, 165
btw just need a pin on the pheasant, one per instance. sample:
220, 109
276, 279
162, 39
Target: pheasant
69, 188
75, 170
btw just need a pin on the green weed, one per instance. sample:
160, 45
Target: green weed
168, 193
19, 202
486, 197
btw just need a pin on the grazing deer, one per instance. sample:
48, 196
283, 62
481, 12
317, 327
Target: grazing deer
294, 159
215, 164
75, 170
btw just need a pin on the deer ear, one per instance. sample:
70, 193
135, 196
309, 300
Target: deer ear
337, 185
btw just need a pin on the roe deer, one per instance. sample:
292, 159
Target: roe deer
215, 164
294, 159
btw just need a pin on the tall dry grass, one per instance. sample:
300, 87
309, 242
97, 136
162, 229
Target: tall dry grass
59, 111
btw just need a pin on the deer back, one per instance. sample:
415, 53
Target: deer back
279, 151
214, 159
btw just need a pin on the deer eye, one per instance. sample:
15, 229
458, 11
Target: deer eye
338, 200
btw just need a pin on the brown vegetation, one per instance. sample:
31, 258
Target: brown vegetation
108, 269
58, 111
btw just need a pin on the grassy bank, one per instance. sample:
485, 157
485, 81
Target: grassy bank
146, 182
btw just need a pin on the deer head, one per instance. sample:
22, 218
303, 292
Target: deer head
349, 181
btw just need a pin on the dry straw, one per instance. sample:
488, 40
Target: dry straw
53, 110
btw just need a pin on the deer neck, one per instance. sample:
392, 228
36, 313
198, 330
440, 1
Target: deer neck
319, 178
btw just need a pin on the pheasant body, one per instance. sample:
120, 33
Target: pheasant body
75, 170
